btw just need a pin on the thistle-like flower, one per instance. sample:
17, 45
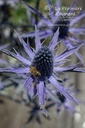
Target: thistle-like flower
58, 19
60, 101
68, 32
64, 102
41, 67
35, 111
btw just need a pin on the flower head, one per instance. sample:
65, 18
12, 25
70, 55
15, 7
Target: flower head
58, 19
63, 23
35, 111
40, 67
42, 64
64, 102
61, 101
68, 33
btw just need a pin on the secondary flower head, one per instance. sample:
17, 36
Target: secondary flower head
63, 23
41, 66
64, 102
58, 19
68, 32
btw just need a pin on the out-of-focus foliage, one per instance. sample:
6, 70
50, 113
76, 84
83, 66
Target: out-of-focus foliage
18, 15
15, 17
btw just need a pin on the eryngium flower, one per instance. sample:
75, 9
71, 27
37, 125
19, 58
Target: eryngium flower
66, 104
35, 111
41, 67
60, 101
68, 32
58, 19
